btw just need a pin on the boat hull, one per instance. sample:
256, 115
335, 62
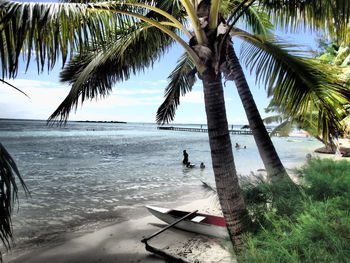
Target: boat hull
189, 225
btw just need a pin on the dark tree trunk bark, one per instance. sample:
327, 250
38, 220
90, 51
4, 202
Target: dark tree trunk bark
267, 151
229, 192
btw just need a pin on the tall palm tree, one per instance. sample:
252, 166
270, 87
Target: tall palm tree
104, 49
281, 72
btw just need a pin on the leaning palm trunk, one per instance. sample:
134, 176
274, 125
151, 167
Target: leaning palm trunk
267, 151
229, 192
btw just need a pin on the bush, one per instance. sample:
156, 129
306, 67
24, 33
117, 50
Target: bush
326, 178
305, 223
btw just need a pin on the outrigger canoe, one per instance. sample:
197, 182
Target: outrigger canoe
199, 223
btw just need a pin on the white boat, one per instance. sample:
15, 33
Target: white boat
197, 222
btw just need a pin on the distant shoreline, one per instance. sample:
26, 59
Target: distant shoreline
9, 119
103, 121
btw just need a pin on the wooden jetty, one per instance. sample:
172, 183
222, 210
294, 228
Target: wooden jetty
172, 128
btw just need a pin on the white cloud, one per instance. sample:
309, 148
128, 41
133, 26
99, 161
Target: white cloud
123, 104
45, 97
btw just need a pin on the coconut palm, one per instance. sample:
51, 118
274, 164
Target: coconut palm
102, 52
283, 74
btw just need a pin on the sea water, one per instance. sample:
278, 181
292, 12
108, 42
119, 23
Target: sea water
85, 174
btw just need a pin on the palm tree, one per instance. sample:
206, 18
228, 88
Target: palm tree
281, 72
102, 53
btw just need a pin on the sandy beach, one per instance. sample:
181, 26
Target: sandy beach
121, 243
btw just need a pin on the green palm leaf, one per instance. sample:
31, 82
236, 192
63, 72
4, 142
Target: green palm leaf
294, 81
330, 15
255, 19
274, 119
93, 73
8, 194
287, 76
283, 129
181, 81
50, 30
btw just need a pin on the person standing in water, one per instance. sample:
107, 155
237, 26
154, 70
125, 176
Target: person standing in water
185, 160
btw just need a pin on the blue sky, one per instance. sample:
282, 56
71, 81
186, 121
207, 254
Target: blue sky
135, 100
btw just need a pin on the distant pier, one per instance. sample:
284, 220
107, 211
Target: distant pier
171, 128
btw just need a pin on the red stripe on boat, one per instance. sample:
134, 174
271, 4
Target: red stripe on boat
209, 219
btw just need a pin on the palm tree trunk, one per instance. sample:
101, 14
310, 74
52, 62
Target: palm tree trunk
229, 192
267, 151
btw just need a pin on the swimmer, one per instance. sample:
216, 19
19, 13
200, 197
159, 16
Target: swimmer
202, 166
185, 160
189, 165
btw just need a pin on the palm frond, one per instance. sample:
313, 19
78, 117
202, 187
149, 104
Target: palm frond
273, 119
47, 30
312, 121
287, 76
8, 194
330, 15
181, 81
294, 81
283, 129
9, 84
255, 19
213, 195
92, 74
209, 188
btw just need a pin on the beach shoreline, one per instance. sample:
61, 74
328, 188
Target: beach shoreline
120, 242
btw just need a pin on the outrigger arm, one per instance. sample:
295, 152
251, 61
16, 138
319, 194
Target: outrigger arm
162, 253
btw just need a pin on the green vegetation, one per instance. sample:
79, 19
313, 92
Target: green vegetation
305, 223
337, 59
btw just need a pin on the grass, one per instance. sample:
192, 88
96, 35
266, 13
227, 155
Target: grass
305, 223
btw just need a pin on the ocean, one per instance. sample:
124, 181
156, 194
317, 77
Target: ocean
83, 176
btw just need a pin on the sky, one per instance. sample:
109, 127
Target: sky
135, 100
